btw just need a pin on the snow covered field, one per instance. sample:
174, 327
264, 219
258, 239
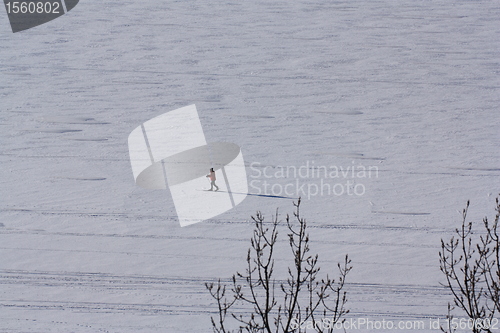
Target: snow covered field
411, 88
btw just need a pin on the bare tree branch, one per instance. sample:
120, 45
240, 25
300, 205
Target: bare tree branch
281, 306
472, 270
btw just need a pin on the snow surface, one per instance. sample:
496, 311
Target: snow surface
411, 87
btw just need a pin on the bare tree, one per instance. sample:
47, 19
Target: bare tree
472, 271
281, 306
489, 250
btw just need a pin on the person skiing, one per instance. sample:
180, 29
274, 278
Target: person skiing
212, 178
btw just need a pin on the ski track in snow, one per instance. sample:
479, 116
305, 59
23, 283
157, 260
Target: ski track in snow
179, 296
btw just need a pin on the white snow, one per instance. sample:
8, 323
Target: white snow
409, 87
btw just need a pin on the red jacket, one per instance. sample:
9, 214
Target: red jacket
211, 176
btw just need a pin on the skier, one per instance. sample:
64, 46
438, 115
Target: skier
212, 178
